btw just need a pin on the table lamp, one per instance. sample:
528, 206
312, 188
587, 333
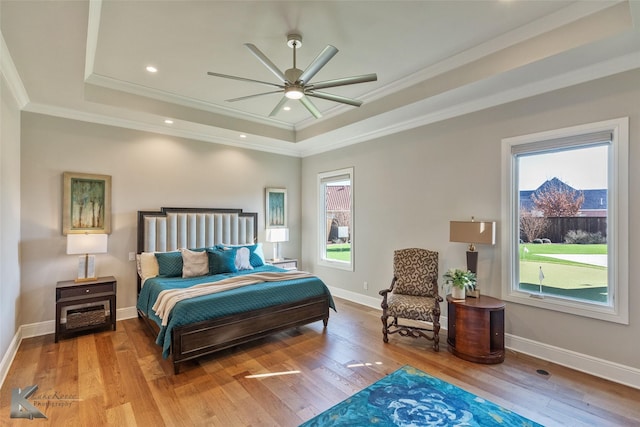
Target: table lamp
472, 232
275, 236
86, 244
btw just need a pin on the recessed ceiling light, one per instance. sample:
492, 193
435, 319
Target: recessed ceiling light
242, 135
287, 108
169, 121
152, 69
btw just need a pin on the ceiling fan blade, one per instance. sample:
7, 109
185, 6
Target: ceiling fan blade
320, 61
277, 108
266, 62
336, 98
344, 81
311, 107
252, 96
242, 79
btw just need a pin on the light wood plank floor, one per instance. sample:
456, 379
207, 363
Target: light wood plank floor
119, 378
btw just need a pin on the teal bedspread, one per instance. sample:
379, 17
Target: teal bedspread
233, 301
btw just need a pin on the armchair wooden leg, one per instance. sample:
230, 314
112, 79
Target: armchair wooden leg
436, 336
385, 328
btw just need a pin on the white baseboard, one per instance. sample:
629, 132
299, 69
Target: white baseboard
8, 357
580, 362
126, 313
49, 326
355, 297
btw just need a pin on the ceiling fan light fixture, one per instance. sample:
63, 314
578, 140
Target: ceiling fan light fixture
295, 83
293, 92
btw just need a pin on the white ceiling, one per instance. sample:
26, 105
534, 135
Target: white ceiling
434, 60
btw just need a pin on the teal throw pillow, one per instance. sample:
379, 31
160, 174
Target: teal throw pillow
222, 260
169, 264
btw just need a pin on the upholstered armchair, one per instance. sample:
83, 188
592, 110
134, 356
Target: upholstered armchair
413, 295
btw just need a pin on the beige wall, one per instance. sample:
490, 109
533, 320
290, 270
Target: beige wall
407, 187
9, 216
410, 185
148, 171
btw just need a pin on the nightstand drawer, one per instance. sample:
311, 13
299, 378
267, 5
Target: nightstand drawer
88, 290
288, 265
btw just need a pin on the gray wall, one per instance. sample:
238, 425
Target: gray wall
9, 217
148, 171
409, 186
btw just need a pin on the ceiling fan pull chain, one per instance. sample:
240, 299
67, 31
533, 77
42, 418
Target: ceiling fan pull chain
295, 47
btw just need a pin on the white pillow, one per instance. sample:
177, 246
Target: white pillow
194, 263
147, 264
258, 250
242, 259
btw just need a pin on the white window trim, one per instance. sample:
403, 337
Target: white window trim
618, 254
321, 227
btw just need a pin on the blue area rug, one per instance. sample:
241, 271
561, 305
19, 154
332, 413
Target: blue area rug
409, 397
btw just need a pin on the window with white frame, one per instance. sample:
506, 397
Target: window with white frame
565, 233
335, 219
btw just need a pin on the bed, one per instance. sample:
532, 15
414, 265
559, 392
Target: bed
222, 306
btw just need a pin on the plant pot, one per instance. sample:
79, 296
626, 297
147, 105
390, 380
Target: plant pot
457, 293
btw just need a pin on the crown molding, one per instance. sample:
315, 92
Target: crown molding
10, 73
198, 132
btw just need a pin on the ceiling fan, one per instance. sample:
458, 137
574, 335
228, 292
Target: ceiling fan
296, 84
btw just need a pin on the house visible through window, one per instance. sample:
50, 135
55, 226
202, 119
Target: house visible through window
566, 236
335, 226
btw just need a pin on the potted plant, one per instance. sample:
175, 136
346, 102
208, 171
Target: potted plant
459, 281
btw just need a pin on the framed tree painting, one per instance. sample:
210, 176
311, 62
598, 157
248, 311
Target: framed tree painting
86, 203
276, 207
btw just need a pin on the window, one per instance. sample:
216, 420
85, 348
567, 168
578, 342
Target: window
565, 234
335, 224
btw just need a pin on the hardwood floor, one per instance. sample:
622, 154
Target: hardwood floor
119, 378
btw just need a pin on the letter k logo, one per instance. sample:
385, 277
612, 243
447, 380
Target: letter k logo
20, 407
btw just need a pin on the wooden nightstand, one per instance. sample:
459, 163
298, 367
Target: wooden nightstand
476, 329
82, 306
286, 263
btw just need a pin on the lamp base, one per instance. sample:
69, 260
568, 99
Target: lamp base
474, 293
85, 279
86, 268
472, 261
276, 251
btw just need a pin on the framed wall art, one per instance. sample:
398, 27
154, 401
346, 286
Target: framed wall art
276, 207
86, 203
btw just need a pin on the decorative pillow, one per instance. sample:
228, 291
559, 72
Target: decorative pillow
242, 259
256, 257
147, 265
169, 263
221, 260
194, 263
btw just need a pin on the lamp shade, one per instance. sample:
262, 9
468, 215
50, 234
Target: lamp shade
86, 244
475, 232
276, 235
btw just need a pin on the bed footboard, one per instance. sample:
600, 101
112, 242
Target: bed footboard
198, 339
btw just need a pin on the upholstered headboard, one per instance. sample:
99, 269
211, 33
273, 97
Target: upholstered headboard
173, 228
170, 229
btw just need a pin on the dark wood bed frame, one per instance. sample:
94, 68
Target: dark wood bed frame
199, 339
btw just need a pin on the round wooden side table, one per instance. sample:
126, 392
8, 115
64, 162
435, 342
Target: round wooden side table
476, 329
